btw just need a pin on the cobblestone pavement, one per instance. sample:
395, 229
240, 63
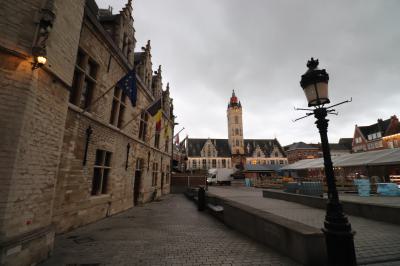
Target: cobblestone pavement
375, 241
170, 232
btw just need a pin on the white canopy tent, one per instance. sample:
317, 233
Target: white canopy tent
371, 158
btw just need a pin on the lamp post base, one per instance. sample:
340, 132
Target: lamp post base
340, 248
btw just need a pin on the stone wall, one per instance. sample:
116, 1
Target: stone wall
74, 205
33, 108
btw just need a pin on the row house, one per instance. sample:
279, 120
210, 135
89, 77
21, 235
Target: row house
384, 134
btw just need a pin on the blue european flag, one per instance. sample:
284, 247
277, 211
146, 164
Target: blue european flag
128, 85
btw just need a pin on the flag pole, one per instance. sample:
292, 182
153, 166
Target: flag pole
141, 111
97, 99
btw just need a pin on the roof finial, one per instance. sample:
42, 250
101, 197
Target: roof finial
233, 92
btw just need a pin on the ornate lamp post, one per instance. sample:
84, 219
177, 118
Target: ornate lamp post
337, 229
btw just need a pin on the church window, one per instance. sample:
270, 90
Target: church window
84, 80
236, 120
118, 107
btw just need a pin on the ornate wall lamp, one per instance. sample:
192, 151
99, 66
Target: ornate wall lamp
45, 24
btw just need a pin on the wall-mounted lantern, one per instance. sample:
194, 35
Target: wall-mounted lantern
45, 24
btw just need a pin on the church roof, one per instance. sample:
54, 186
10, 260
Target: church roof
194, 146
266, 146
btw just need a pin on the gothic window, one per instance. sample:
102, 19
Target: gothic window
236, 120
157, 139
148, 161
100, 173
118, 107
143, 126
84, 80
155, 175
167, 174
166, 146
237, 131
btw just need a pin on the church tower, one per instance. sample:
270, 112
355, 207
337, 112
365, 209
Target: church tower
235, 129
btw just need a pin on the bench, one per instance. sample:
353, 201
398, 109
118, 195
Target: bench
215, 208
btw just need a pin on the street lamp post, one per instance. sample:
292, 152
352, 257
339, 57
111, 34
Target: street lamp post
337, 229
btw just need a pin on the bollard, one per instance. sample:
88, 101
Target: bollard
201, 199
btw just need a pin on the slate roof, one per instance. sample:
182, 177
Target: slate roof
301, 145
338, 147
347, 142
194, 146
266, 146
380, 126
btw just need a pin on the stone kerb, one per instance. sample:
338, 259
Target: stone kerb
378, 212
300, 242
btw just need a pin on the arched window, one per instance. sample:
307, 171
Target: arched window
237, 142
236, 120
237, 131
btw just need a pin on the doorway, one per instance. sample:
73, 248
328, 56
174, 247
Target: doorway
137, 182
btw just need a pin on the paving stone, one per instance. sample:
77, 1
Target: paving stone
169, 232
374, 240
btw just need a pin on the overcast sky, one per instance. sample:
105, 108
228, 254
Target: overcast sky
260, 49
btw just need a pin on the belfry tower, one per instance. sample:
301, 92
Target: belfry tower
235, 130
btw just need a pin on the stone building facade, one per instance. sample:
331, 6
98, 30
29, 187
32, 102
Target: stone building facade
234, 152
73, 148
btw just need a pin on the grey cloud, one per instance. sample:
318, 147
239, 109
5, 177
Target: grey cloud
207, 48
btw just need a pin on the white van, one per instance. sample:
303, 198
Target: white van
220, 176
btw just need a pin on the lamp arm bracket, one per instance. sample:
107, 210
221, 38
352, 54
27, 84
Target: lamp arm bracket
347, 101
302, 109
297, 119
